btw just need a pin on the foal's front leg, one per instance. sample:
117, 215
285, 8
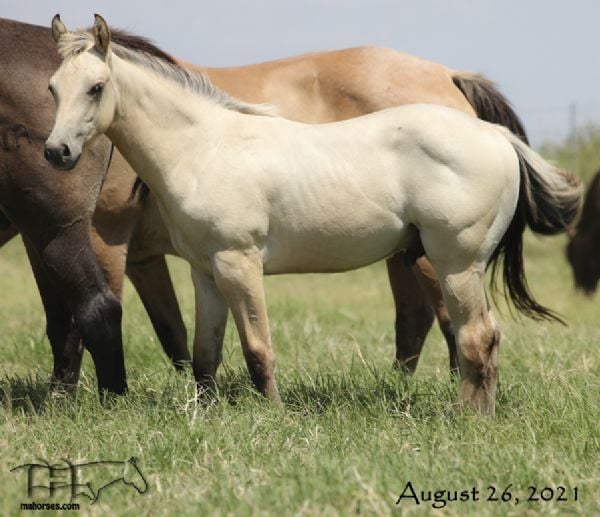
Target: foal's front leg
239, 277
211, 318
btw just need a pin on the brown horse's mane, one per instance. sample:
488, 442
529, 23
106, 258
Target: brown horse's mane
140, 44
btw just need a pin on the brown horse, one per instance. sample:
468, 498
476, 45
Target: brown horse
127, 232
53, 213
583, 250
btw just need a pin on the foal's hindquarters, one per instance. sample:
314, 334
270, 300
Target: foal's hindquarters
469, 206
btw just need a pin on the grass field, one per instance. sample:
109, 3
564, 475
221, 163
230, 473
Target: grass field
353, 432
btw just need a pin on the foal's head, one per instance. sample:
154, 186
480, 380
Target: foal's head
85, 96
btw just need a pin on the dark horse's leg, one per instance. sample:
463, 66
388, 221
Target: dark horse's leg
417, 298
63, 335
414, 315
152, 281
428, 281
7, 230
122, 214
95, 309
53, 211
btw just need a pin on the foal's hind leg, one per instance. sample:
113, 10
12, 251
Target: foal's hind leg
414, 316
239, 277
461, 271
477, 334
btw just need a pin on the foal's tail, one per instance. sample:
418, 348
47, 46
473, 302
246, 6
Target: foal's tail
549, 201
489, 104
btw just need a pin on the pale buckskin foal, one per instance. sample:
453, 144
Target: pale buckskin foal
245, 194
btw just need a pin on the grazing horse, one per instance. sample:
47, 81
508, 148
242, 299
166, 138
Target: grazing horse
319, 87
244, 194
583, 250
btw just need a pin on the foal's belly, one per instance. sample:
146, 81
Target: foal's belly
331, 249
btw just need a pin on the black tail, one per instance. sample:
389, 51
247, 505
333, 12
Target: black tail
549, 201
489, 104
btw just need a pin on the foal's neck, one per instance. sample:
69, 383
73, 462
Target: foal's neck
158, 122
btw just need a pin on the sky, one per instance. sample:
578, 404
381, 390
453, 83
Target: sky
542, 54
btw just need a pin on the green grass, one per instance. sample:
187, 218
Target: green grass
352, 432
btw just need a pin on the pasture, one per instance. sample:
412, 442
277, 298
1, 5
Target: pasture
353, 432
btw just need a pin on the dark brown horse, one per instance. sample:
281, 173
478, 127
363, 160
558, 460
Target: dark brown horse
53, 210
53, 213
583, 250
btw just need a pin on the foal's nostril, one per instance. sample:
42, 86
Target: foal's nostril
47, 153
65, 151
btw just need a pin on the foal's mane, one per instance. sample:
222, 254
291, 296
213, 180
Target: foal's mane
141, 51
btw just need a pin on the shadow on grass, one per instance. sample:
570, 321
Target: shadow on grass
24, 394
306, 392
322, 391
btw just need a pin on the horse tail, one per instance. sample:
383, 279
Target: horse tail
487, 101
549, 201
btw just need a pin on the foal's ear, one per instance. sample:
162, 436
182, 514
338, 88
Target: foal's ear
58, 28
101, 34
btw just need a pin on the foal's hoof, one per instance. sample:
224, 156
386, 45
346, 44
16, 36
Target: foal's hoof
479, 402
270, 391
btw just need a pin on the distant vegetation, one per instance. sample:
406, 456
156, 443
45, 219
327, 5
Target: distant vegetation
579, 153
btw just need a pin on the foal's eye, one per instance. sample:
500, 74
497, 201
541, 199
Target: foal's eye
96, 89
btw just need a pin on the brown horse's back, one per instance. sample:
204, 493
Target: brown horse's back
329, 86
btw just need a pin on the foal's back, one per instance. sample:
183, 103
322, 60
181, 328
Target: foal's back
346, 194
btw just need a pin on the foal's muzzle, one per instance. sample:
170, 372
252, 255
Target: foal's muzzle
60, 156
